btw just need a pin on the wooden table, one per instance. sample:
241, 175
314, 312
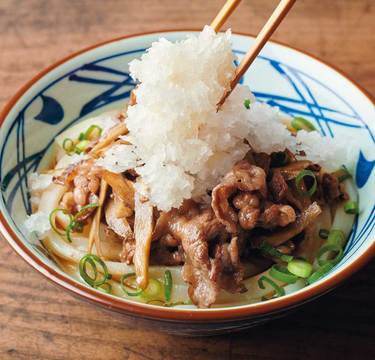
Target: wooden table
39, 321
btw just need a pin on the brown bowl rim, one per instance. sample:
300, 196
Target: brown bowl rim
170, 314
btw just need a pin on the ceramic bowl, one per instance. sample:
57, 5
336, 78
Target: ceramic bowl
96, 80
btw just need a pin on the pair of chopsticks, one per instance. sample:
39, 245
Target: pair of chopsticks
268, 29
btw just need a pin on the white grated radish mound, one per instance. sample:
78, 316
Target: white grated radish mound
184, 144
180, 145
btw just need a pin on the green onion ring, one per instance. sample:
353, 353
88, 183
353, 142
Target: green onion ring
336, 237
279, 290
125, 290
270, 250
52, 216
168, 283
315, 276
92, 260
300, 268
351, 207
300, 123
283, 274
81, 146
323, 233
84, 208
91, 129
299, 179
68, 148
328, 248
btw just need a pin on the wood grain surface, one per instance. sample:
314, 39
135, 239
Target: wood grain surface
39, 321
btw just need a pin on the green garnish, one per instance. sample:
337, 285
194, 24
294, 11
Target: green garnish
315, 276
154, 290
270, 250
300, 268
130, 289
81, 146
68, 145
247, 103
327, 249
336, 237
74, 223
299, 180
84, 209
281, 273
351, 207
52, 217
300, 123
168, 285
91, 130
91, 275
278, 290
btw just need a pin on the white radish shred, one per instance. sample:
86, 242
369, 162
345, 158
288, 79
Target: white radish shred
38, 223
119, 158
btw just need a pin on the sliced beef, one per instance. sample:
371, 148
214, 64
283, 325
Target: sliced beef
227, 268
330, 186
244, 177
277, 215
278, 186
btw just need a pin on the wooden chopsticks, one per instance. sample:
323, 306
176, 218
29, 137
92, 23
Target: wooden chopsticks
268, 29
224, 14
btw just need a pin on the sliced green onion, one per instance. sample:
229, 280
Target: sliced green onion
81, 146
246, 103
330, 248
84, 208
129, 289
168, 283
351, 207
93, 260
283, 274
270, 250
154, 290
52, 217
315, 276
323, 233
279, 290
300, 177
336, 237
68, 145
300, 123
342, 174
279, 158
90, 130
81, 136
300, 268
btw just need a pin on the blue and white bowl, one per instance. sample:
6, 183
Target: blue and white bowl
96, 80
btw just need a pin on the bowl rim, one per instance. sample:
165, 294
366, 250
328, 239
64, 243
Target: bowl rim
170, 314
